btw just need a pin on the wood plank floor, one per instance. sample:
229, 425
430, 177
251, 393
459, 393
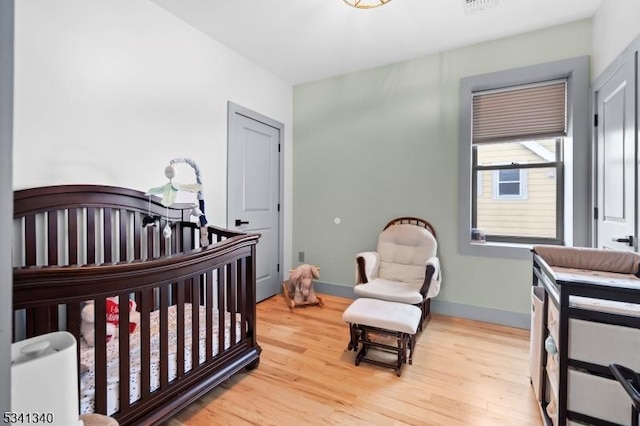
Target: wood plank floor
463, 373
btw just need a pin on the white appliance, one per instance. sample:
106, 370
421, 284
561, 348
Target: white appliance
44, 380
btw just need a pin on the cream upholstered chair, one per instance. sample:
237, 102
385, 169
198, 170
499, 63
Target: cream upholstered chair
404, 268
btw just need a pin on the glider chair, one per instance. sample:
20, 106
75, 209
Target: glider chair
404, 268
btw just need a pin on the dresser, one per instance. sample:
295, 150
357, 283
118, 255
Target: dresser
588, 317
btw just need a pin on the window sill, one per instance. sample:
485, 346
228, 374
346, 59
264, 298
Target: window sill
496, 250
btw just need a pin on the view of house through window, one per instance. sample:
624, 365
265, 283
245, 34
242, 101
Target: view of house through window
516, 188
517, 162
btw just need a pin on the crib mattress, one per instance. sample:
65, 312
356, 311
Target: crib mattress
87, 378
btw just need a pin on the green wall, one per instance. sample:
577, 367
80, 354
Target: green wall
382, 143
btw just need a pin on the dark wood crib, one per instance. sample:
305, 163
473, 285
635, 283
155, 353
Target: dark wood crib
80, 243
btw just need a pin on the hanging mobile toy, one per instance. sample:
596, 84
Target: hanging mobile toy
169, 192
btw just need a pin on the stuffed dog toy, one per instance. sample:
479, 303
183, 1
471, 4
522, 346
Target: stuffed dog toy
300, 284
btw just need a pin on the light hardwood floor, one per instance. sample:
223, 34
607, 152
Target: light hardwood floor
463, 373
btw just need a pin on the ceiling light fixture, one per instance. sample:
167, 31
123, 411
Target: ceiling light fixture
366, 4
471, 6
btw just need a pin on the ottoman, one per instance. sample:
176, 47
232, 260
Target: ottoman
371, 318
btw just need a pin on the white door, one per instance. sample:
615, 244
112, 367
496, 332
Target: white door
253, 190
616, 161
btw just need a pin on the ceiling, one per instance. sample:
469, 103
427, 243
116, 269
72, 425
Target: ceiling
305, 40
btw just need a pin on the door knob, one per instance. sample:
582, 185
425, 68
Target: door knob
628, 240
241, 222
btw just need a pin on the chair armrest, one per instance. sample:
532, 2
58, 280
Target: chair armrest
432, 277
367, 264
428, 276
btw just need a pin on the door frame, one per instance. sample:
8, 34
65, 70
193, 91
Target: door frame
630, 53
232, 109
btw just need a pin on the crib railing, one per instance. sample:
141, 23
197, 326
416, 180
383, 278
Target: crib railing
219, 278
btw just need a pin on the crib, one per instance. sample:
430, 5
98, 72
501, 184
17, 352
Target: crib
79, 243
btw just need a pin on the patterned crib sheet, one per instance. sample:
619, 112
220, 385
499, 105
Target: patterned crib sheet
87, 378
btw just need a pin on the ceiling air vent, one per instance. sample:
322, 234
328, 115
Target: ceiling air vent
472, 6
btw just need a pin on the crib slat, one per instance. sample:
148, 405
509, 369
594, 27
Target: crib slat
221, 309
180, 324
123, 351
162, 241
30, 240
47, 319
209, 315
124, 242
195, 323
91, 235
164, 340
40, 321
150, 242
73, 326
53, 318
232, 289
107, 236
251, 297
100, 354
72, 236
30, 322
187, 239
174, 238
188, 296
74, 321
137, 226
52, 237
146, 302
242, 296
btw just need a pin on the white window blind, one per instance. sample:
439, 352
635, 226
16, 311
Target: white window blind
522, 113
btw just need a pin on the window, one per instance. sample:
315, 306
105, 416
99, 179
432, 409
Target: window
502, 121
526, 200
524, 158
510, 184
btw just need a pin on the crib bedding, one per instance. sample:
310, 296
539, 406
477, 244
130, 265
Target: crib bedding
87, 379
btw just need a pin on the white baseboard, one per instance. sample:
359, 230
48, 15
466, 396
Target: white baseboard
477, 313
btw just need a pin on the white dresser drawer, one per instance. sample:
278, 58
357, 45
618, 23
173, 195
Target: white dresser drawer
598, 397
603, 344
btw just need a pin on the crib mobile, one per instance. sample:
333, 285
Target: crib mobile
169, 192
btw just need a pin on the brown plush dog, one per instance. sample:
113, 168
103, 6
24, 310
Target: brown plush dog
300, 285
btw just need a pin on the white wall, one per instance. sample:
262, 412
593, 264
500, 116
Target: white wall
108, 92
615, 25
6, 197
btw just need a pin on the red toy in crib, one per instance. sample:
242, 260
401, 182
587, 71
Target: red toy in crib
113, 313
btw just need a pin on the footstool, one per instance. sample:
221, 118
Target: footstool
367, 317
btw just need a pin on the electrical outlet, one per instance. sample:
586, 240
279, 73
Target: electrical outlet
300, 256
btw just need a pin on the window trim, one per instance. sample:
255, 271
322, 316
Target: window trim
577, 178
